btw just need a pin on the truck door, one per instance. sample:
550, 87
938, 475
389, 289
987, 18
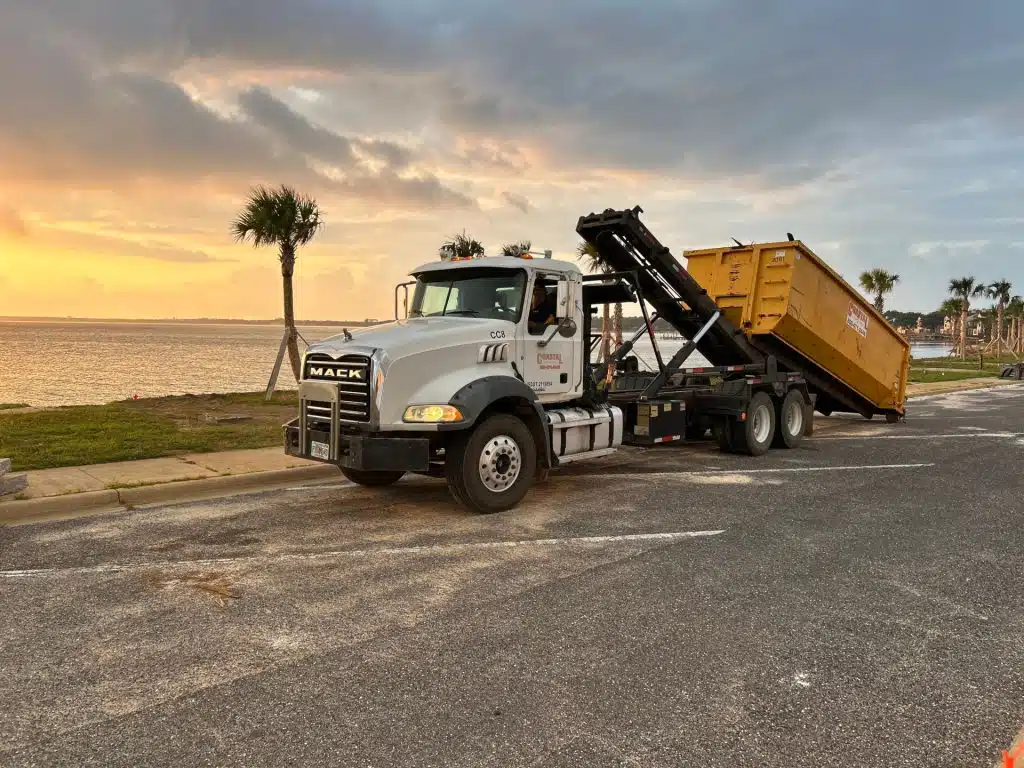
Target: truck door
551, 362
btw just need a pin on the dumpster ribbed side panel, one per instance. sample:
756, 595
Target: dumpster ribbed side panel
792, 304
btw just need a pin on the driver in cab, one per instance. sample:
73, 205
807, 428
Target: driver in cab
542, 310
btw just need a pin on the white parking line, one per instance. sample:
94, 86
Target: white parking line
770, 470
343, 553
937, 436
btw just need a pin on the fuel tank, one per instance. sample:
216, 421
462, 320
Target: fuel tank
579, 432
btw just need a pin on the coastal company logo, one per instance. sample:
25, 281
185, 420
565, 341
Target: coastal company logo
320, 372
549, 361
857, 319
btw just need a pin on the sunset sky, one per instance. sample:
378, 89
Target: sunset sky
881, 133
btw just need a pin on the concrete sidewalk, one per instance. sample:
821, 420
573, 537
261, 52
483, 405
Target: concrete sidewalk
73, 491
132, 474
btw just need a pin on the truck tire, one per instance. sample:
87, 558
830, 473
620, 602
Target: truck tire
490, 468
754, 435
790, 413
371, 478
721, 428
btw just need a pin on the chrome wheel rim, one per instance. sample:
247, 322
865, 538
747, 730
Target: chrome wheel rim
795, 420
762, 423
500, 463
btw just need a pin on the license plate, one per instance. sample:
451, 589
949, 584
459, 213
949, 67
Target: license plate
320, 450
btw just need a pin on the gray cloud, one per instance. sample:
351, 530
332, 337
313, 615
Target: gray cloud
303, 136
733, 87
310, 34
519, 202
69, 119
297, 132
388, 188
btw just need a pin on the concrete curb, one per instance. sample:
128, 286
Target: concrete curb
91, 502
189, 490
70, 505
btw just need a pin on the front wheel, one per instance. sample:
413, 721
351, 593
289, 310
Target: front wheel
371, 478
490, 468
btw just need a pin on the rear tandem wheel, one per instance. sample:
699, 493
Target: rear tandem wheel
754, 435
790, 413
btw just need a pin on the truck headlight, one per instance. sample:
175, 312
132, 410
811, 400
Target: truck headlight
432, 414
378, 388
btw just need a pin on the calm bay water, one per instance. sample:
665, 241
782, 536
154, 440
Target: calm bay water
77, 362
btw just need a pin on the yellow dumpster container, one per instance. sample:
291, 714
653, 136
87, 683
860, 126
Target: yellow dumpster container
791, 304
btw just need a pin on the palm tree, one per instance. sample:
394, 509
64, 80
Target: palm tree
515, 249
461, 246
964, 289
878, 283
1000, 292
287, 219
594, 263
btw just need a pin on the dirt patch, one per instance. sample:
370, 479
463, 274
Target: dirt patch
212, 584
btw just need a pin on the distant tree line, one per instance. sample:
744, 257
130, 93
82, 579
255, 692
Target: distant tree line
931, 321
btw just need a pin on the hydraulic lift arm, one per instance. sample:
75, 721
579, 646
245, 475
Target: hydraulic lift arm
627, 245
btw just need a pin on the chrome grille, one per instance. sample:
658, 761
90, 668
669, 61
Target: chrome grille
351, 374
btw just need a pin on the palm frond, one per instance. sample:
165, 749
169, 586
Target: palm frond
999, 291
515, 249
591, 258
461, 246
280, 216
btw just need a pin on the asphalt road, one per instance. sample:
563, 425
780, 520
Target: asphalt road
855, 602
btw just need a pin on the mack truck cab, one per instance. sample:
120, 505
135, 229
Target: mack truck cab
481, 383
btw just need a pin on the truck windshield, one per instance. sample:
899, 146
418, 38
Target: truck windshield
492, 293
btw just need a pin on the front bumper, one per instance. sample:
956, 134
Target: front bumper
357, 451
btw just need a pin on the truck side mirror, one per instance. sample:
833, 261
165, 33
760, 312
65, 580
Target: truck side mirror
566, 299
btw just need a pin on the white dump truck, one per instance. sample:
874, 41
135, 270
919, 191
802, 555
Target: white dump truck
486, 377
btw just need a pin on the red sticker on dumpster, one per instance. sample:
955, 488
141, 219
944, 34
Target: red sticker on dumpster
857, 319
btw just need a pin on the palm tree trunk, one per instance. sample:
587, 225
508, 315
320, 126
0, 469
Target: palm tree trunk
605, 336
618, 324
999, 330
287, 270
963, 333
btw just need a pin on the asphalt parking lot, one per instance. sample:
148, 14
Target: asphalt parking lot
858, 601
